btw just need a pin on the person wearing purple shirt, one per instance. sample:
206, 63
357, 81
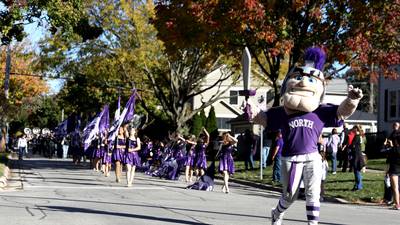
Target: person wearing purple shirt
301, 120
276, 157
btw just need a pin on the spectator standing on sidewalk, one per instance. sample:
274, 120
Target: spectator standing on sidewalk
267, 143
276, 157
357, 159
348, 149
394, 163
332, 148
343, 141
325, 168
65, 146
22, 146
247, 145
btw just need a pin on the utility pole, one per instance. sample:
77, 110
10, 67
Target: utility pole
6, 95
261, 151
371, 93
7, 74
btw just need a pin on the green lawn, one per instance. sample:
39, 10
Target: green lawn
338, 185
377, 164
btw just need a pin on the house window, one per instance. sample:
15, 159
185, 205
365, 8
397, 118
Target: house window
398, 104
222, 123
392, 104
233, 97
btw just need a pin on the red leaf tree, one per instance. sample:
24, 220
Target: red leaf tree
356, 33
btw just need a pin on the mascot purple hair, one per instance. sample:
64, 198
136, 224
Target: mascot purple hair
301, 119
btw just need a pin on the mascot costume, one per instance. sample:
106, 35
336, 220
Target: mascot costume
301, 120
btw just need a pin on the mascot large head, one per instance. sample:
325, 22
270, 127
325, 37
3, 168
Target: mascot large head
304, 87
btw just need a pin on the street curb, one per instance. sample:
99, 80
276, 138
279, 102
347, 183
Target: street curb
6, 175
279, 190
4, 178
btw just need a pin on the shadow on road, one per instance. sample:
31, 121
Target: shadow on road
130, 204
101, 212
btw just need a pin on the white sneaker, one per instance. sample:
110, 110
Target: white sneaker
276, 220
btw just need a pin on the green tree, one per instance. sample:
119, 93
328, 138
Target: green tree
197, 124
354, 32
129, 55
62, 17
203, 117
47, 114
107, 66
211, 122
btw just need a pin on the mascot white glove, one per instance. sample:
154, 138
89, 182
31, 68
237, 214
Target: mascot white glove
349, 105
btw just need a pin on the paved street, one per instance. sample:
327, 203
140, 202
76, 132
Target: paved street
56, 192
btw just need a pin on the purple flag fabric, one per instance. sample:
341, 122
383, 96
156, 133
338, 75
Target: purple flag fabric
126, 116
62, 129
95, 126
130, 106
90, 131
104, 120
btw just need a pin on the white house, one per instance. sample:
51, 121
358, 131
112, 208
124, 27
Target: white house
228, 111
388, 102
336, 92
228, 107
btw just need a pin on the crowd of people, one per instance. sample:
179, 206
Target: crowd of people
343, 151
165, 158
46, 145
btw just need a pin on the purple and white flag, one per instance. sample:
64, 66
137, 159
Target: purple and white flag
104, 123
95, 126
126, 116
118, 111
62, 129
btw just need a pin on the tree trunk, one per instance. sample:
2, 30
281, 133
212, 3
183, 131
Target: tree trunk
3, 139
371, 98
276, 93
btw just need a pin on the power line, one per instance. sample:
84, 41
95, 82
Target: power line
38, 75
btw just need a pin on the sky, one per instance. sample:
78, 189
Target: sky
34, 34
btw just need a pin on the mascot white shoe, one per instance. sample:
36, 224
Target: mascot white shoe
301, 120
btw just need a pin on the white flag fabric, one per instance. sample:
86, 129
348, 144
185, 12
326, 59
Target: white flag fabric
93, 128
118, 111
126, 116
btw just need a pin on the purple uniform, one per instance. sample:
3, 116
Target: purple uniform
97, 151
178, 153
132, 158
301, 131
226, 160
200, 159
107, 157
190, 156
118, 152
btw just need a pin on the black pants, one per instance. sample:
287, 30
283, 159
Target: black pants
347, 160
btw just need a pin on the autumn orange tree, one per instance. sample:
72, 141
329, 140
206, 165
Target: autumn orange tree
24, 83
129, 55
356, 33
24, 87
